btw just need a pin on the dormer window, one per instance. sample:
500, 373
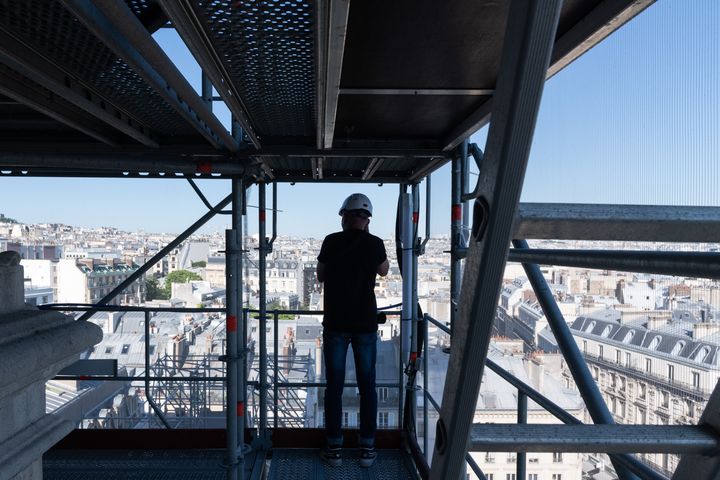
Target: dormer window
655, 342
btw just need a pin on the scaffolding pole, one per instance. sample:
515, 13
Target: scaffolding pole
529, 37
262, 337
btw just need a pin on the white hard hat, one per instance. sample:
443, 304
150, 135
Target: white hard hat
357, 201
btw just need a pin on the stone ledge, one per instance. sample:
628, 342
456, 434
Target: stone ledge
37, 357
29, 321
22, 449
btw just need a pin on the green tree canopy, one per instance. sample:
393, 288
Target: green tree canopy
178, 276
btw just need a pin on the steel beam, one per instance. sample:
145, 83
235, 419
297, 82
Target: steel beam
418, 91
188, 25
640, 223
526, 52
21, 58
603, 20
116, 26
16, 87
684, 264
372, 167
262, 299
334, 45
593, 438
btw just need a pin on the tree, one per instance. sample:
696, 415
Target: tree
200, 264
178, 276
153, 290
5, 219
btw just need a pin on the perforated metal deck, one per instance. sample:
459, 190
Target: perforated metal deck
304, 463
138, 464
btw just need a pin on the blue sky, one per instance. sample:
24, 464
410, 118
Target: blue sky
635, 120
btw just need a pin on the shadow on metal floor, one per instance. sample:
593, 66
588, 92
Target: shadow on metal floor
305, 463
138, 464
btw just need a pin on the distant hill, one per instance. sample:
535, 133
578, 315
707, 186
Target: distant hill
4, 219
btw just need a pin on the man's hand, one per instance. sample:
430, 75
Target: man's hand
383, 268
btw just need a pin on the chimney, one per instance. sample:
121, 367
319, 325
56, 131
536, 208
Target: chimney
704, 329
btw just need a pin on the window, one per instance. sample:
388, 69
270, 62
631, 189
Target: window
125, 349
383, 419
671, 373
557, 457
584, 346
627, 359
655, 342
533, 460
382, 394
557, 476
642, 389
511, 458
346, 419
618, 356
641, 416
490, 476
532, 476
665, 399
152, 350
648, 365
509, 476
696, 379
489, 458
601, 352
108, 350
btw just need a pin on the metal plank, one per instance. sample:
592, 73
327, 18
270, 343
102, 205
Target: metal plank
16, 87
648, 223
526, 52
190, 28
31, 64
592, 438
116, 26
603, 20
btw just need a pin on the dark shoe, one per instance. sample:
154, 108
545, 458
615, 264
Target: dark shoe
331, 456
367, 457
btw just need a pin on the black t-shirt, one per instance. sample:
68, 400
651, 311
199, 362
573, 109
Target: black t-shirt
351, 259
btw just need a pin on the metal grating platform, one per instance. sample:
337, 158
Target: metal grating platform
138, 464
304, 463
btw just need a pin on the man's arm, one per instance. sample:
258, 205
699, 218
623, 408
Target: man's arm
382, 269
321, 272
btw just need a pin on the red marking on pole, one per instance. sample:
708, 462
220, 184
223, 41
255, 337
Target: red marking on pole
232, 323
84, 377
240, 409
204, 166
413, 356
262, 215
416, 217
456, 212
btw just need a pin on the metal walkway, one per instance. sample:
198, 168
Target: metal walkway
303, 463
138, 464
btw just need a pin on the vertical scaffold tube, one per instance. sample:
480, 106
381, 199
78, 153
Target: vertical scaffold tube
406, 211
455, 226
238, 192
231, 354
262, 243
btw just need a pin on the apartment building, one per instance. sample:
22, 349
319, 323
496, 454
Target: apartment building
655, 369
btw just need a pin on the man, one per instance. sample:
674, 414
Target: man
347, 265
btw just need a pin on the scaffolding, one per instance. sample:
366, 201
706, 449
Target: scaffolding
346, 103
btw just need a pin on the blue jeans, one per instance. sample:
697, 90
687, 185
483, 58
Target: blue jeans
364, 347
